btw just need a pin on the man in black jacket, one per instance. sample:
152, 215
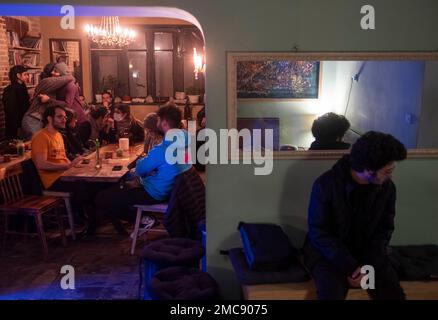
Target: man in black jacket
15, 100
351, 220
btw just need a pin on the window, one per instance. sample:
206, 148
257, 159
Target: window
137, 73
158, 63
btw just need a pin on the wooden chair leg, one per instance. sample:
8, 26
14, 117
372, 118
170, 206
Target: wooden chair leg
136, 227
61, 227
26, 228
5, 233
42, 234
71, 220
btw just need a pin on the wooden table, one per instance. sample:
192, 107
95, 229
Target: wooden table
88, 172
6, 167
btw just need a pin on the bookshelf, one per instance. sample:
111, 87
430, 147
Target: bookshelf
26, 51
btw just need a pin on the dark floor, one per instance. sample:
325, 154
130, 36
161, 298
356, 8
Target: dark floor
104, 268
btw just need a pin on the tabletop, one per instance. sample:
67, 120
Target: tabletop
89, 172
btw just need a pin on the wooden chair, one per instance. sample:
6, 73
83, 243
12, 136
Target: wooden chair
30, 168
160, 209
16, 203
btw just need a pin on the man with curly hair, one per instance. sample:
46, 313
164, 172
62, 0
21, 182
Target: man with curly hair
328, 130
351, 220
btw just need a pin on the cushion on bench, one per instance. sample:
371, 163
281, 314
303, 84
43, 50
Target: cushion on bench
415, 262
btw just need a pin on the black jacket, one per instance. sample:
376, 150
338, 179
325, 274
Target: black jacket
330, 220
186, 207
16, 102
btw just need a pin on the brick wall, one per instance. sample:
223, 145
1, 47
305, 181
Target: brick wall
34, 26
4, 68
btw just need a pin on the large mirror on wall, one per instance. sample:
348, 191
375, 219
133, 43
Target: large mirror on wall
323, 102
70, 52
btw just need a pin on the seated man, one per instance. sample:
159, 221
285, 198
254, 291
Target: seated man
48, 151
328, 130
156, 174
49, 156
351, 220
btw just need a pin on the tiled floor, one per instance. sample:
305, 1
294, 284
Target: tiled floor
104, 268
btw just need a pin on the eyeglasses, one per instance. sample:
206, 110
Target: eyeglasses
61, 117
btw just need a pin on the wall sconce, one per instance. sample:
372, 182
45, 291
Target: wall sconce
198, 61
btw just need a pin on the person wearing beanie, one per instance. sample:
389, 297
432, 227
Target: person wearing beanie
16, 101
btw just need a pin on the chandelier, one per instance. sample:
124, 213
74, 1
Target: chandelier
110, 33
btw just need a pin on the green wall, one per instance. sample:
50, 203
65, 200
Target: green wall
233, 192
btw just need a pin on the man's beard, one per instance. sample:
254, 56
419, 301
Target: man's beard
58, 127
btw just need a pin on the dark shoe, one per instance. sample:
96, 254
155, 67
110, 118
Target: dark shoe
119, 227
87, 232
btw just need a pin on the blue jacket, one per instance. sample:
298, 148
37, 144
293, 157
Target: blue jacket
156, 173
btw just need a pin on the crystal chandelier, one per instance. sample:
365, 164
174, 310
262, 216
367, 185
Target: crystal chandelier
109, 33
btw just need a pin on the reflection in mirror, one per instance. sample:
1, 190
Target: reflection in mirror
327, 105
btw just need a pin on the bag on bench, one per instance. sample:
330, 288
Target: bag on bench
266, 246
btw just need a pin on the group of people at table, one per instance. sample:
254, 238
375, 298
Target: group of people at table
63, 129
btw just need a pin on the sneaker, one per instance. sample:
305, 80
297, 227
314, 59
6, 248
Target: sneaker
146, 223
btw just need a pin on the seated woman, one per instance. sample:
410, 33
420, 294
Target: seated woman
123, 125
328, 130
72, 141
153, 136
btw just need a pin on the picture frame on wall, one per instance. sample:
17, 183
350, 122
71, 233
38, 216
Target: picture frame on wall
278, 79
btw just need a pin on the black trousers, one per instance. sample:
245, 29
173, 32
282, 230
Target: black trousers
116, 202
333, 285
83, 196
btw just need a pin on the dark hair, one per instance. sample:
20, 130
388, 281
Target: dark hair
330, 127
374, 150
171, 114
150, 122
71, 114
13, 72
47, 71
50, 112
99, 112
200, 116
125, 108
109, 93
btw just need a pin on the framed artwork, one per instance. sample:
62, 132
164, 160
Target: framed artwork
278, 79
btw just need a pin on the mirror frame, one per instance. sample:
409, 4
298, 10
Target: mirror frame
51, 40
233, 57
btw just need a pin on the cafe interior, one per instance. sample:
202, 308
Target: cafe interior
139, 67
120, 66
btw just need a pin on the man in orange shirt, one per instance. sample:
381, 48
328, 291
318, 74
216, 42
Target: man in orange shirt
48, 152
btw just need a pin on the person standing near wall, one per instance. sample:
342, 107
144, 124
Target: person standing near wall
16, 101
351, 220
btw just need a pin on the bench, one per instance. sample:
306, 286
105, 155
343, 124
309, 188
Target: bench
415, 290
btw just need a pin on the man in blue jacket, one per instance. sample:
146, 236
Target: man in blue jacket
157, 175
351, 220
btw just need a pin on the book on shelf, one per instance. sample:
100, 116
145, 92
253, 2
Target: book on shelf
13, 39
32, 43
34, 79
30, 59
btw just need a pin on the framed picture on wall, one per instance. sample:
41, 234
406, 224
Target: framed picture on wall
278, 79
